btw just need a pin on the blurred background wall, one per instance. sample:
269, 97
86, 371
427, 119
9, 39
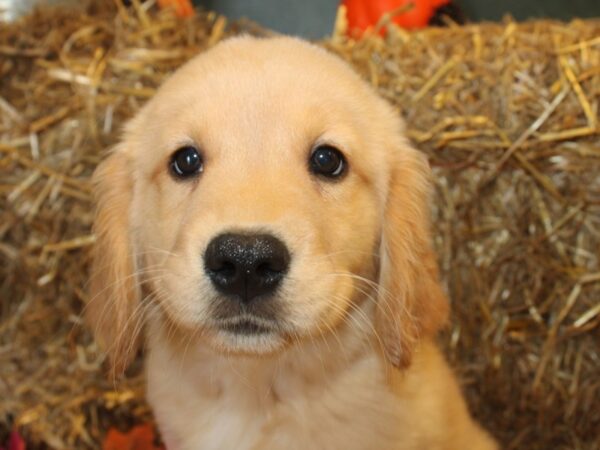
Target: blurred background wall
314, 18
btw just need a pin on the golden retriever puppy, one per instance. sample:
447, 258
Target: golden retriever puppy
264, 224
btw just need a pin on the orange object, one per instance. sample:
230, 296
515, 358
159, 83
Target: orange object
183, 8
140, 437
364, 14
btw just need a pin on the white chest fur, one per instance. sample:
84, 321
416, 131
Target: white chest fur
203, 400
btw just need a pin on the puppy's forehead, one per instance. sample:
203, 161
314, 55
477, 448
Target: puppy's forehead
280, 66
264, 86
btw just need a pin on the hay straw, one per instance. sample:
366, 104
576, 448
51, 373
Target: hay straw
507, 114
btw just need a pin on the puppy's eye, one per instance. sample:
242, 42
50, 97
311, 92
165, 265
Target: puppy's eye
327, 161
186, 162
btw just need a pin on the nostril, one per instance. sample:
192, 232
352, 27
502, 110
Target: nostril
265, 269
226, 269
268, 272
223, 273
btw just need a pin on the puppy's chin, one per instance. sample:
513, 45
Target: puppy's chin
247, 345
246, 337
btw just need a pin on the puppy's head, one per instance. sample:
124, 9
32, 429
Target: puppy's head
260, 196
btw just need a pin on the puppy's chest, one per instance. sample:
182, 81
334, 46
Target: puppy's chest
230, 421
198, 408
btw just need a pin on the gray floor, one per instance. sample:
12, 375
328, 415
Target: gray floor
314, 18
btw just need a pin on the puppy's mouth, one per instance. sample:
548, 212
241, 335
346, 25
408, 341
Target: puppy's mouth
248, 335
247, 326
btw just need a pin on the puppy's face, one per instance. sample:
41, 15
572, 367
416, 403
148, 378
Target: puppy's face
259, 179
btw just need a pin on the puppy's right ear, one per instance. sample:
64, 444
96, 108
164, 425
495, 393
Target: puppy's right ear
112, 310
412, 303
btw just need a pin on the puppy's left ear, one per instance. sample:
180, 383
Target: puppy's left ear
411, 303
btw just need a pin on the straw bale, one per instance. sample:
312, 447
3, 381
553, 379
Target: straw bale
508, 115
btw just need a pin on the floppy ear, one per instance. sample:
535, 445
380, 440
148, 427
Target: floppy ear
113, 311
411, 303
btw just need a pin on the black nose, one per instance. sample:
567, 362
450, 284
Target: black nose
246, 266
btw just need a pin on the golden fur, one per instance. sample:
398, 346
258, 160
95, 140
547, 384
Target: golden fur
353, 365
